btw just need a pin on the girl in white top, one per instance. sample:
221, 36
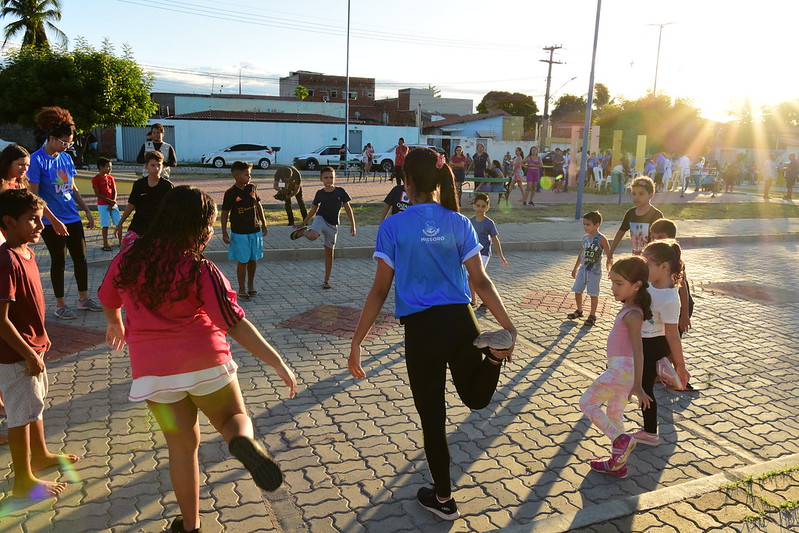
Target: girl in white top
660, 334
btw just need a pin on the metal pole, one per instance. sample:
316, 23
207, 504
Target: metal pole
589, 103
657, 63
347, 93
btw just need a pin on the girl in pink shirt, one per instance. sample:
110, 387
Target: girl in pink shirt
179, 307
622, 379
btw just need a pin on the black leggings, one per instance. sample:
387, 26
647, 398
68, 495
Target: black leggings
58, 246
434, 339
655, 348
290, 211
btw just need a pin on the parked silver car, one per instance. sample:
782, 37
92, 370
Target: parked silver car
257, 154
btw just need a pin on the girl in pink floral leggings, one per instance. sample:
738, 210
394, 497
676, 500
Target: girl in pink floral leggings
622, 379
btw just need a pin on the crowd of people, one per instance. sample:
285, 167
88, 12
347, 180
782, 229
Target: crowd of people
179, 303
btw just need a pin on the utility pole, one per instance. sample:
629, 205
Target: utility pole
239, 81
657, 58
545, 128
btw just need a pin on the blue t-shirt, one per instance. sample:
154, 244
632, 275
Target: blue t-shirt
485, 230
54, 176
426, 246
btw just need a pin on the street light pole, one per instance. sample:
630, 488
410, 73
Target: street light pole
586, 130
657, 59
347, 91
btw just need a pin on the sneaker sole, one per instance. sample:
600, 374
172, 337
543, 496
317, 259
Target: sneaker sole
438, 513
64, 317
264, 471
647, 442
612, 473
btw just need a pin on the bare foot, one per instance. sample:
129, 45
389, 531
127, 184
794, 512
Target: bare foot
53, 459
37, 489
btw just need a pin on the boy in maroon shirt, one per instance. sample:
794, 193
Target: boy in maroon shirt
23, 343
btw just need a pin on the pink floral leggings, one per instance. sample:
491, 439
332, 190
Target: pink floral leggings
611, 388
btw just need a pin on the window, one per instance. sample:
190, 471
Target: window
353, 95
333, 94
310, 92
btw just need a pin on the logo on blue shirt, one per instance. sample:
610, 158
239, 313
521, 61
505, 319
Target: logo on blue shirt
431, 230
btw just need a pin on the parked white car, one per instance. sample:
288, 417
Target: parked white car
257, 154
326, 155
385, 160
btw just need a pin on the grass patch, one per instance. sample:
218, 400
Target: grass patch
369, 214
749, 484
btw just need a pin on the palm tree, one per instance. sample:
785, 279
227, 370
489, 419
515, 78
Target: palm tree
33, 17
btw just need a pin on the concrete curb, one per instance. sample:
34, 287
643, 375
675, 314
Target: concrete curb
361, 252
596, 514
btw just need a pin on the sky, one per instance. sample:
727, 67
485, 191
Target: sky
717, 55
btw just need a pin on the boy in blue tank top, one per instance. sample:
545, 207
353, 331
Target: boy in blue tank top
587, 271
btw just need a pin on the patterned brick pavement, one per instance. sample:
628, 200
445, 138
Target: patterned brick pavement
337, 320
351, 450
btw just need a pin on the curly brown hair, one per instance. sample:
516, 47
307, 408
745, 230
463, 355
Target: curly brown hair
179, 231
56, 121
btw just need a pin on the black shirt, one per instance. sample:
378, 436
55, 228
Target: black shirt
397, 198
243, 205
638, 225
146, 199
330, 204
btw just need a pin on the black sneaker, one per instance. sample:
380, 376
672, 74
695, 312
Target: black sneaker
447, 510
263, 469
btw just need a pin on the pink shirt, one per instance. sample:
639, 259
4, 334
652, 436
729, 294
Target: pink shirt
619, 336
182, 336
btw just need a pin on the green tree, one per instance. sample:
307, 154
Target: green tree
436, 90
98, 87
569, 108
601, 95
34, 18
301, 92
516, 104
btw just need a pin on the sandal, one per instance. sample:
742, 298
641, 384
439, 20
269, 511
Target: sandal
575, 314
297, 233
326, 285
590, 321
106, 248
244, 297
252, 292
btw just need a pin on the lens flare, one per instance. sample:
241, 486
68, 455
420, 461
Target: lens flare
546, 183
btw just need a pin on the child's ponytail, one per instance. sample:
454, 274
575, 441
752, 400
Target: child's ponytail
449, 198
634, 269
667, 251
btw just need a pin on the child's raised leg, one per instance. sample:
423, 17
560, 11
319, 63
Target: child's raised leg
26, 485
178, 422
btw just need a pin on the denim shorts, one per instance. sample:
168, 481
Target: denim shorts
588, 279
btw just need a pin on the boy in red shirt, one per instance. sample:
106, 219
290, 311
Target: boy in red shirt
105, 188
23, 343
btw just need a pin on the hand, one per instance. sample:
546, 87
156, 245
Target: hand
609, 263
504, 262
685, 377
60, 228
354, 363
118, 233
685, 323
300, 225
288, 378
264, 230
352, 231
643, 399
574, 273
35, 365
115, 335
89, 220
225, 238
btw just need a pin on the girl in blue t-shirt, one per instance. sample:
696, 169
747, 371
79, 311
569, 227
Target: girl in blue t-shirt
51, 175
428, 249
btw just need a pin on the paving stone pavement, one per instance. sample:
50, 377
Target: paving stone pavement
351, 450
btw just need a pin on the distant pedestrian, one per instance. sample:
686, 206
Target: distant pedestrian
400, 153
288, 184
558, 162
155, 143
178, 309
791, 173
480, 163
429, 248
769, 175
368, 154
518, 177
242, 207
534, 165
145, 197
587, 271
396, 202
325, 213
625, 364
458, 162
487, 234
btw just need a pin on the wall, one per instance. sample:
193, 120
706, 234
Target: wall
470, 129
195, 137
410, 98
193, 104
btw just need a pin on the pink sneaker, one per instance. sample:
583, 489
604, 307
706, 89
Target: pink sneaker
604, 467
668, 375
650, 439
622, 447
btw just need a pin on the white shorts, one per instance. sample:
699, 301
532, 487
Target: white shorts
325, 229
171, 389
23, 394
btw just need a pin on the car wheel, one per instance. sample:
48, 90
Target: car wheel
387, 165
219, 162
311, 164
264, 163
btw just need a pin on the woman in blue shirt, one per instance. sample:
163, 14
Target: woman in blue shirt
429, 248
51, 175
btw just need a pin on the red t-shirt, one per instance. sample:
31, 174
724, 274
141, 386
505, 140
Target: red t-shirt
456, 159
400, 152
182, 336
104, 184
21, 285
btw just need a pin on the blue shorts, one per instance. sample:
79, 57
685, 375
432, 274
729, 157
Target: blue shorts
246, 247
588, 279
108, 214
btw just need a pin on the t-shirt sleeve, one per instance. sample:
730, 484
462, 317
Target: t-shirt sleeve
227, 201
385, 246
670, 312
390, 196
345, 197
8, 286
96, 182
492, 229
34, 172
140, 157
468, 243
219, 299
625, 224
317, 199
108, 294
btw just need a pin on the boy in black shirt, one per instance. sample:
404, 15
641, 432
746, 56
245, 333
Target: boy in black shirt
145, 197
396, 201
638, 219
328, 203
247, 227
